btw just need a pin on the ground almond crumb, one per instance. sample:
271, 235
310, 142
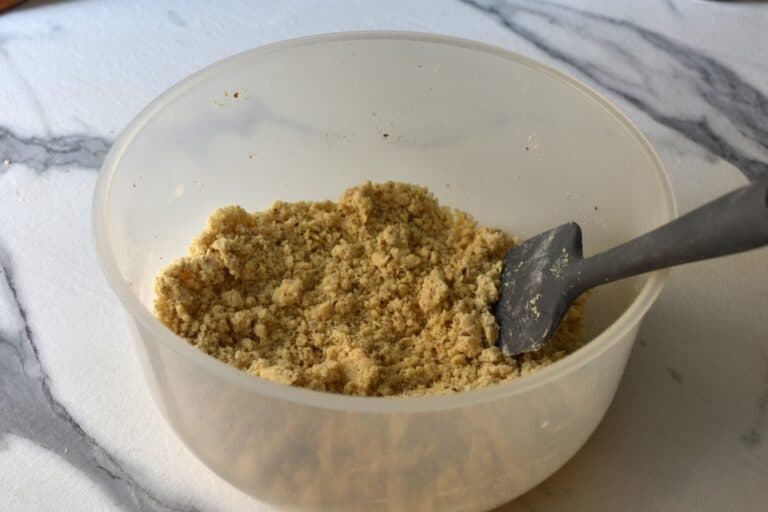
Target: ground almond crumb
383, 293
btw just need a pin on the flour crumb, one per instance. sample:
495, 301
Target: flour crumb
385, 292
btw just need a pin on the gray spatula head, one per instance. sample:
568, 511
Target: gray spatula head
537, 287
543, 275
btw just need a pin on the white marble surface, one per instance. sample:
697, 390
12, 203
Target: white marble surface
689, 427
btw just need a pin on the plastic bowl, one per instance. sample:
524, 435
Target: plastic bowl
515, 143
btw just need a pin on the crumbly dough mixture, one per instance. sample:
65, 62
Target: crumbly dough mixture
383, 293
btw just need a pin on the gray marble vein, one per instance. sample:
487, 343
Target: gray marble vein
176, 19
42, 153
28, 409
670, 4
675, 85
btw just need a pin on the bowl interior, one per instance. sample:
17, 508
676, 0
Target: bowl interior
515, 144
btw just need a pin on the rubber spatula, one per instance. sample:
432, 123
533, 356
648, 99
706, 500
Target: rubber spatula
545, 274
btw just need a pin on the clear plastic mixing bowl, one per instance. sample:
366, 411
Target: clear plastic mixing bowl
511, 141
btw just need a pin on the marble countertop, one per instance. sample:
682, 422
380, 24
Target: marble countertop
689, 426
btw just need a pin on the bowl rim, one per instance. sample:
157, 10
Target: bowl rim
370, 405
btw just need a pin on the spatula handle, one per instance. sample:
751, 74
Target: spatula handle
735, 222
